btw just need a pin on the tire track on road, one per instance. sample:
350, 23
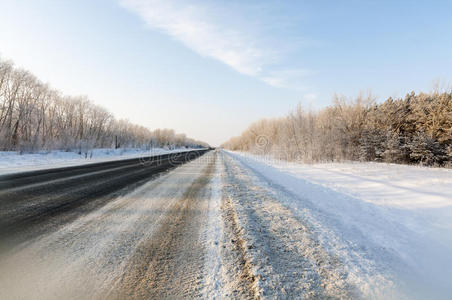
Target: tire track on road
170, 264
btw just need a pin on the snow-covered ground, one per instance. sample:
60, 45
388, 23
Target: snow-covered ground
11, 161
389, 225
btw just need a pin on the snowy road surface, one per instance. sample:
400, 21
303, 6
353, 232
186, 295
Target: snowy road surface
230, 226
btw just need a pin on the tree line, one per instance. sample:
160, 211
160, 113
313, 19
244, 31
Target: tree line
35, 117
416, 129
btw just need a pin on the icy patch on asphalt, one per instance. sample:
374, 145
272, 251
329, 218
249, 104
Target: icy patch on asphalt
377, 218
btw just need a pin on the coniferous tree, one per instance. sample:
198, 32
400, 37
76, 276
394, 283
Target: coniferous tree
426, 150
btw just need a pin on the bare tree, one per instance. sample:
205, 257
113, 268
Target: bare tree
35, 117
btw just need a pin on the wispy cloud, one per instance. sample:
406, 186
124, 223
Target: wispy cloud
286, 78
239, 46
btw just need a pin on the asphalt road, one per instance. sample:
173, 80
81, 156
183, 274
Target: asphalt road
36, 202
163, 240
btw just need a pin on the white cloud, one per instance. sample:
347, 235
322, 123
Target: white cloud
197, 27
190, 25
286, 78
310, 97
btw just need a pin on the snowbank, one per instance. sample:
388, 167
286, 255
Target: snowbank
383, 208
12, 162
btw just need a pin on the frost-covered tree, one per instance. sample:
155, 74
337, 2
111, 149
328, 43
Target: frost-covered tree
396, 149
413, 129
35, 117
426, 150
371, 145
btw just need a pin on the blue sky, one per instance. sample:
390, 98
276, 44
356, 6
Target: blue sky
209, 68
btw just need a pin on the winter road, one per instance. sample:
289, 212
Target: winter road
213, 227
76, 233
